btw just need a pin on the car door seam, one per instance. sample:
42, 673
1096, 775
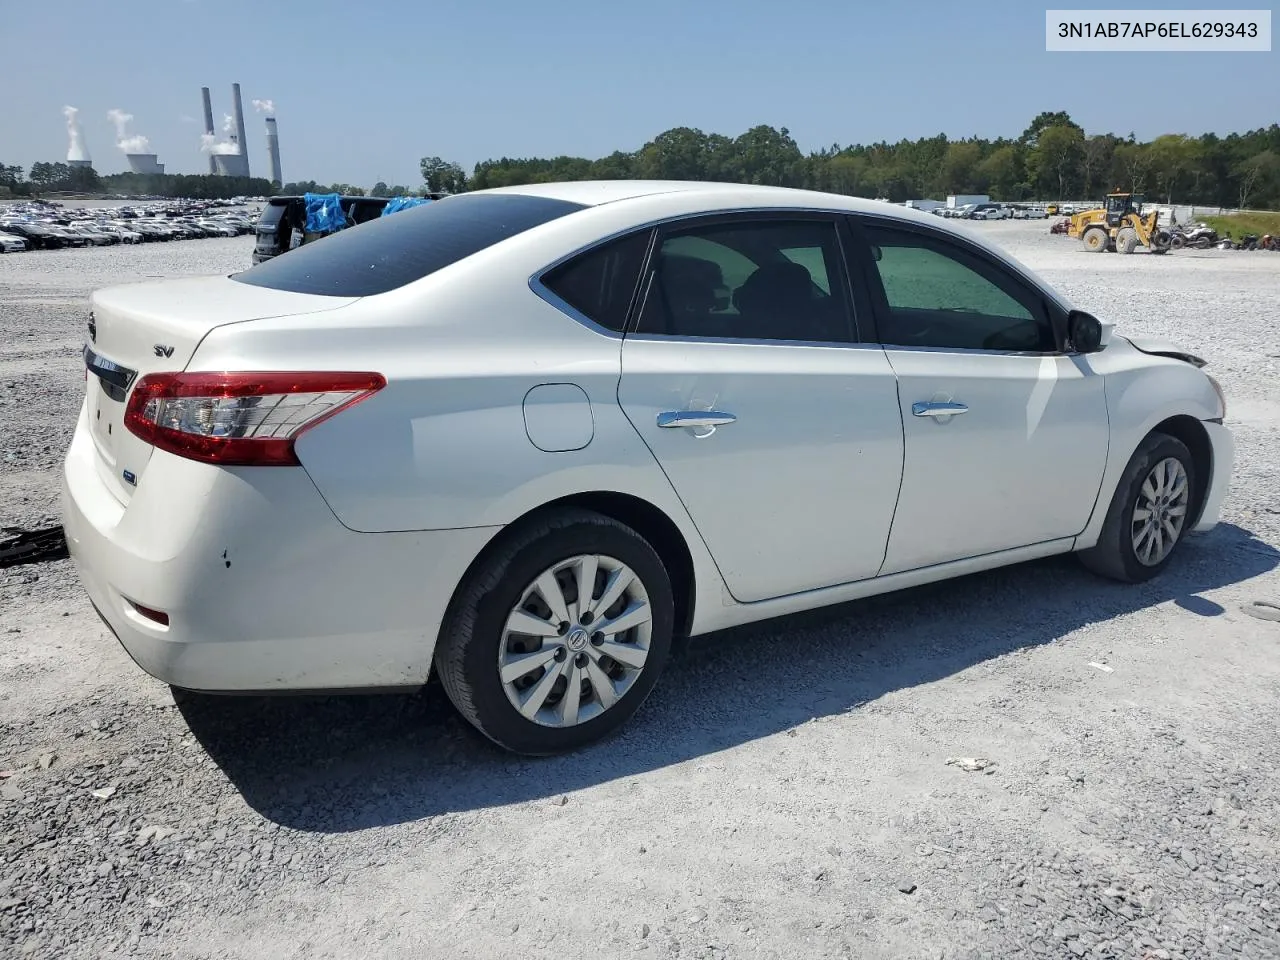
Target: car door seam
902, 465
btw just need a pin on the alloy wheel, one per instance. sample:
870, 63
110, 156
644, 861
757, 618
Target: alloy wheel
1160, 511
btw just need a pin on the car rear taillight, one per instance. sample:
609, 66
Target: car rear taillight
240, 419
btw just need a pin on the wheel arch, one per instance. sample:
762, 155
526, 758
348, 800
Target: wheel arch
648, 520
1192, 433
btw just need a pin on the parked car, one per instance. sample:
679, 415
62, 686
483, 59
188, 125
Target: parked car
532, 435
11, 244
39, 236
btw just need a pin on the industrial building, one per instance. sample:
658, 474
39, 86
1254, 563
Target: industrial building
229, 158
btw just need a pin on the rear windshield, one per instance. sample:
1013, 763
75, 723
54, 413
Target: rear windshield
272, 214
392, 251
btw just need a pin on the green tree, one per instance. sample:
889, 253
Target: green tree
1171, 156
1261, 172
1055, 158
41, 174
1003, 172
1045, 120
1096, 154
768, 156
442, 176
1131, 163
380, 189
677, 154
961, 166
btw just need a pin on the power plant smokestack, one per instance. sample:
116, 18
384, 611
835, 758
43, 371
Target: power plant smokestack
238, 107
208, 123
273, 150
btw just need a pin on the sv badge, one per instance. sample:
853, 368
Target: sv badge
162, 350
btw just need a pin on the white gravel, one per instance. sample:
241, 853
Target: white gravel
783, 788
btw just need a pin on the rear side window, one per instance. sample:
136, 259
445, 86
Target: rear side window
389, 252
601, 282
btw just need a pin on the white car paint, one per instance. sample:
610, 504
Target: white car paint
336, 573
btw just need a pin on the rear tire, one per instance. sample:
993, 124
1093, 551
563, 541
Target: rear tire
1095, 240
1158, 494
532, 579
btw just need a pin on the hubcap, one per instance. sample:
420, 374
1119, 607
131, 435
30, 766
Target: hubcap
1160, 511
576, 642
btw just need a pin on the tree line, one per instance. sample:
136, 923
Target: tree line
1053, 159
45, 178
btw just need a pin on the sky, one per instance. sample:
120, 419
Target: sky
363, 90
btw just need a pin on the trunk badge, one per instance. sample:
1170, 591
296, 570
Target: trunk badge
162, 350
130, 478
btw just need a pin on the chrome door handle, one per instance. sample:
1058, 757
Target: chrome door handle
695, 418
935, 409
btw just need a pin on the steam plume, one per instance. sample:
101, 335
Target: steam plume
127, 144
76, 149
265, 106
211, 144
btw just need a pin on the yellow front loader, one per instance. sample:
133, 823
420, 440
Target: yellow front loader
1119, 226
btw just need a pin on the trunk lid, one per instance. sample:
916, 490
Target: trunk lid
144, 328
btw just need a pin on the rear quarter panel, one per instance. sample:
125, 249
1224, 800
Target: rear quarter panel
444, 445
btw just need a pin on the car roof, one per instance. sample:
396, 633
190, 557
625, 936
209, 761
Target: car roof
596, 192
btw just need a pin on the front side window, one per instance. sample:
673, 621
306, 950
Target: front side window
601, 282
939, 295
749, 280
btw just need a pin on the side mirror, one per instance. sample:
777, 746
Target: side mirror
1084, 331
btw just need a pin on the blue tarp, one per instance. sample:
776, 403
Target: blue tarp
396, 204
324, 212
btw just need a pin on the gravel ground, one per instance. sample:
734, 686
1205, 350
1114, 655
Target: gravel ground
785, 793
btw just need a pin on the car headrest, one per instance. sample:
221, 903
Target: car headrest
689, 283
775, 287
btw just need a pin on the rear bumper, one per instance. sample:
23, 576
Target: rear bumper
1223, 447
265, 591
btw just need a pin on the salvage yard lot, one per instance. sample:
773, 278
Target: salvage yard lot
784, 794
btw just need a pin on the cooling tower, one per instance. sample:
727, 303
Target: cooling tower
226, 164
273, 150
79, 163
144, 163
241, 140
208, 122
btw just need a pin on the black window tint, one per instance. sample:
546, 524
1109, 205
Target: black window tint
389, 252
271, 214
749, 280
601, 282
939, 295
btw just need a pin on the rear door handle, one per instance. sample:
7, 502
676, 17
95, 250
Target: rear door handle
695, 418
935, 409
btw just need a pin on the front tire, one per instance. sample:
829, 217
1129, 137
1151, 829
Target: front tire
530, 665
1149, 514
1127, 240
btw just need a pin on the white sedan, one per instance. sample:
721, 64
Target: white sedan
528, 436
